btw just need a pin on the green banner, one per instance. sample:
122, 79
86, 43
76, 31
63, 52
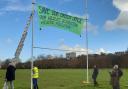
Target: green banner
48, 17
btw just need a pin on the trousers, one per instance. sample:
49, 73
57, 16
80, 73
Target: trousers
11, 84
35, 83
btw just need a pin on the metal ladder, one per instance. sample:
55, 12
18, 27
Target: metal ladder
21, 43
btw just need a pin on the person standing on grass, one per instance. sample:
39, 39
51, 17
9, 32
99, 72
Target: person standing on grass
94, 75
115, 77
35, 77
10, 74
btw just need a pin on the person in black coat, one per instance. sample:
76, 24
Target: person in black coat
10, 74
94, 75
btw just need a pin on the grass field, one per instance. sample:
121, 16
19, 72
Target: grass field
63, 79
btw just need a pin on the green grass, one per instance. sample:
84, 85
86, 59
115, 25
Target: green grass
63, 79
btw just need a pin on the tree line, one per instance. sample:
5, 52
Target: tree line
102, 61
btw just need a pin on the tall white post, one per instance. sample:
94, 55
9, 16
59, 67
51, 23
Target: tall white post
86, 33
33, 3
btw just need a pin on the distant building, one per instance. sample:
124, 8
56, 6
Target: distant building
120, 53
50, 57
71, 55
126, 51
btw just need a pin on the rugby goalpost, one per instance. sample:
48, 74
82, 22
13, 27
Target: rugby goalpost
32, 44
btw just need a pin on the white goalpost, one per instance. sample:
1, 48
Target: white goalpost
33, 11
32, 44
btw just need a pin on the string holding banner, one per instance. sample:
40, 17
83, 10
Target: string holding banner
48, 17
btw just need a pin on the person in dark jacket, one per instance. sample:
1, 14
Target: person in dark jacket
115, 77
10, 74
94, 75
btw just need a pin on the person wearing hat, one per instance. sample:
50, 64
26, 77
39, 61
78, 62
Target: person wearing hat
35, 77
115, 77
